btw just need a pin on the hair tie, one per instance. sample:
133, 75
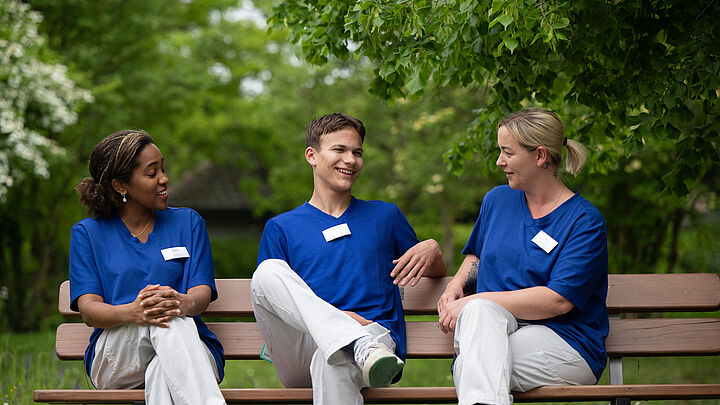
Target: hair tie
564, 141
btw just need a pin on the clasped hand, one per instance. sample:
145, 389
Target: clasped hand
157, 305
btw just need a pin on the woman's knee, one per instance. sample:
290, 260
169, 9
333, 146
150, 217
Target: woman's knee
484, 313
482, 308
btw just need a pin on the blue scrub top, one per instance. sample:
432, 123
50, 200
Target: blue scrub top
106, 260
577, 268
351, 272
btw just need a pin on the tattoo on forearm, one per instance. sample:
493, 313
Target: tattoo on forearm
471, 281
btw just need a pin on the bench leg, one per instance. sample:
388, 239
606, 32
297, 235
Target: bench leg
620, 401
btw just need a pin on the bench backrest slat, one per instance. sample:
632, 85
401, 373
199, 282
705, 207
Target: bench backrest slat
628, 337
627, 293
663, 292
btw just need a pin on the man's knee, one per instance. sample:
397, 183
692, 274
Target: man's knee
267, 273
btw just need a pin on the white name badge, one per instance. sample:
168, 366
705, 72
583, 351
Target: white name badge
337, 231
179, 252
545, 241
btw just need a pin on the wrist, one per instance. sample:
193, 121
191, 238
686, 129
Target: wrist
456, 283
187, 305
130, 313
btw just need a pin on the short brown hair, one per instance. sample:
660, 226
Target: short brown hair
329, 123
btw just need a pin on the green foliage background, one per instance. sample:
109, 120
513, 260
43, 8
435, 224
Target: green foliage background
636, 81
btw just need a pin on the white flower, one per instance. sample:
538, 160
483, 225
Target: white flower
30, 82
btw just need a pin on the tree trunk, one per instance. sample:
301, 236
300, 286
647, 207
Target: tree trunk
675, 221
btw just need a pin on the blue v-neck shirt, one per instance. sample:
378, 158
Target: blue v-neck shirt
577, 268
105, 259
351, 272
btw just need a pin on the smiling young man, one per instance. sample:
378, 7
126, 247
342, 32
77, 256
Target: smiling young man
325, 292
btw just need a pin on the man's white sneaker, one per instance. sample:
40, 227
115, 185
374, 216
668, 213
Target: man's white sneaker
378, 363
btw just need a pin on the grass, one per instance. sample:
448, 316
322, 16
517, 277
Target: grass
28, 362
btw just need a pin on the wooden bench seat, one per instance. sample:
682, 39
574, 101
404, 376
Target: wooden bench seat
630, 336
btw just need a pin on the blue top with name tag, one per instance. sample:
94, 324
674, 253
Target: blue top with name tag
576, 268
106, 260
350, 271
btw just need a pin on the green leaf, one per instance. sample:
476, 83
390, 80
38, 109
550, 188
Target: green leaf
536, 37
497, 5
679, 90
386, 70
415, 84
561, 23
377, 21
511, 43
505, 20
669, 100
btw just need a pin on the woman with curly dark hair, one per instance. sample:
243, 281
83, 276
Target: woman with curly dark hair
141, 273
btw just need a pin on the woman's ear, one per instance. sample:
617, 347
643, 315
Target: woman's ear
310, 156
543, 157
119, 186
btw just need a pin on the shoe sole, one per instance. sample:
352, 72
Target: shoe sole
383, 371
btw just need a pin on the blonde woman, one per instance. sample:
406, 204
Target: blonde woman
537, 259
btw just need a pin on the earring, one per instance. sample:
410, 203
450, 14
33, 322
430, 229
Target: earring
123, 197
546, 165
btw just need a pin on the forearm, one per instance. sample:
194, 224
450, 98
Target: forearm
532, 303
98, 314
466, 276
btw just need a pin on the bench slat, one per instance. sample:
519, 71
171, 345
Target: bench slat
626, 293
628, 337
663, 337
408, 394
663, 292
234, 299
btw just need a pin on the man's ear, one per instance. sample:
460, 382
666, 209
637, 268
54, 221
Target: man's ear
119, 186
310, 156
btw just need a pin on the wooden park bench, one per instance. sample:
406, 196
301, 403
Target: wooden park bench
630, 336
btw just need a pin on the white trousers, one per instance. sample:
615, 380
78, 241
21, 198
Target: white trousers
173, 363
496, 355
306, 336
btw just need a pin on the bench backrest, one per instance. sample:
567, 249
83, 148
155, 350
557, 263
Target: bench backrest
627, 294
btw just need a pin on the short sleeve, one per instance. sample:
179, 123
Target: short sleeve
582, 262
273, 244
477, 236
201, 271
403, 233
84, 276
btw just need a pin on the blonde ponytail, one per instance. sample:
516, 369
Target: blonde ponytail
575, 156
